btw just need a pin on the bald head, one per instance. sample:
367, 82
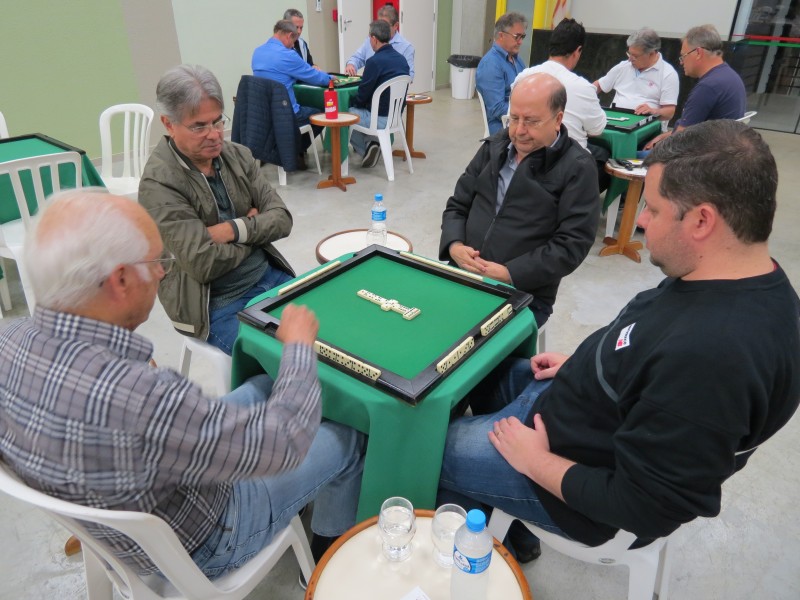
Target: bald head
535, 110
541, 84
78, 239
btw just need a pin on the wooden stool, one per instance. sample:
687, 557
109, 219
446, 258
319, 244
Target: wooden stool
622, 244
353, 240
344, 119
411, 102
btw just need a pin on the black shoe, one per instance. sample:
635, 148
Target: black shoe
372, 155
301, 162
527, 546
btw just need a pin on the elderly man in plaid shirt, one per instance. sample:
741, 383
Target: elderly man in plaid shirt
85, 418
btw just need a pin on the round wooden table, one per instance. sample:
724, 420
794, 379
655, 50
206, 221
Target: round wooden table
354, 568
353, 240
411, 101
344, 119
622, 244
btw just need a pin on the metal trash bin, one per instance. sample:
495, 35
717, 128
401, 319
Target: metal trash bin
462, 75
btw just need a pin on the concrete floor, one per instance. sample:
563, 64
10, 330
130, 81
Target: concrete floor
751, 550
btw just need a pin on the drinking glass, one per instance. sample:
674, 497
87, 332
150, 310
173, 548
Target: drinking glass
446, 521
397, 525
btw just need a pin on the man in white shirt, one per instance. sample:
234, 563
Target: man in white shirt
583, 115
386, 13
645, 83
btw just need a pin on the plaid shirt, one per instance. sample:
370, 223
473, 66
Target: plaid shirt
84, 418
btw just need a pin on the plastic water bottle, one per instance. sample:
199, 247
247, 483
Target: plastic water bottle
376, 234
471, 557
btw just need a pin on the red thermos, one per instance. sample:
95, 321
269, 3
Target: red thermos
331, 101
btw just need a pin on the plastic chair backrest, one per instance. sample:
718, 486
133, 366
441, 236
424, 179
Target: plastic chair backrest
34, 166
747, 116
3, 127
483, 113
157, 540
398, 87
136, 126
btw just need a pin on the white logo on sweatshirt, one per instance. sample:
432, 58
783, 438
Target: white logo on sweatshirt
624, 339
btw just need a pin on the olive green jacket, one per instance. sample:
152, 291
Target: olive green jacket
181, 202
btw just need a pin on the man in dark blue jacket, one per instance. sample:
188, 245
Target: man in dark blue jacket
387, 63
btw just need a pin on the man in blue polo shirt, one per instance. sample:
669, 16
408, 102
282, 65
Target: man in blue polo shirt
277, 60
386, 63
719, 93
500, 66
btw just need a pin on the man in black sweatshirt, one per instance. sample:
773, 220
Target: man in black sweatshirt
640, 427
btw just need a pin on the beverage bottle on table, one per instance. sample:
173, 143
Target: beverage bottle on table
471, 557
331, 101
376, 234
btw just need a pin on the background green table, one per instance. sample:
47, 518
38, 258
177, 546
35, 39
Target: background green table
623, 144
28, 146
406, 441
312, 95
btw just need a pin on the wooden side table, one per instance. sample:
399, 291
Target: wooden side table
353, 240
344, 119
622, 244
411, 101
354, 568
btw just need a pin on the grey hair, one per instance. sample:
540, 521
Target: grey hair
181, 90
646, 39
284, 26
292, 12
388, 11
67, 266
507, 21
381, 30
705, 37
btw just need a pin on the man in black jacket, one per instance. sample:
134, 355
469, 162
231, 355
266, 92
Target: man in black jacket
640, 427
525, 211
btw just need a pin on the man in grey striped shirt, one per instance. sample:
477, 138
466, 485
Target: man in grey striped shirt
83, 417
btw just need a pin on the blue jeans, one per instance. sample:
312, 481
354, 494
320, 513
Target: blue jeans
473, 471
224, 326
259, 508
358, 139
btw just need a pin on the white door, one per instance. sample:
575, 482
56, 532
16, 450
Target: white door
354, 19
417, 25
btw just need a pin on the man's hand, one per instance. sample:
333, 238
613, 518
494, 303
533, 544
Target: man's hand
493, 270
546, 364
350, 69
646, 109
298, 325
221, 233
464, 257
519, 444
649, 145
252, 212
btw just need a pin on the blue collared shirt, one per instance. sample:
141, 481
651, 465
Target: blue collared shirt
495, 75
275, 61
398, 42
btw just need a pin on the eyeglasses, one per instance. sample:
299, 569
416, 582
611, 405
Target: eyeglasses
201, 130
166, 260
518, 37
528, 122
682, 56
633, 56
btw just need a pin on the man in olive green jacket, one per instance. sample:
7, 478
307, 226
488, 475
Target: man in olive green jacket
215, 210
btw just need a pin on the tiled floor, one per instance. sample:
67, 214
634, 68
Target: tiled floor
751, 550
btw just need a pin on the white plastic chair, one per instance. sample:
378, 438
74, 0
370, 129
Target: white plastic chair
5, 296
649, 566
220, 362
183, 578
483, 113
12, 233
137, 121
747, 116
3, 127
398, 86
304, 130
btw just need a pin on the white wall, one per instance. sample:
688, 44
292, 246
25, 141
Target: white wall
669, 19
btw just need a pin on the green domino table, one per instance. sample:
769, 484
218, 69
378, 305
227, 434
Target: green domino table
406, 410
28, 146
312, 95
621, 139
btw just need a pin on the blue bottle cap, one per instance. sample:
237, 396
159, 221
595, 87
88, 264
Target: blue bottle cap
378, 197
476, 520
